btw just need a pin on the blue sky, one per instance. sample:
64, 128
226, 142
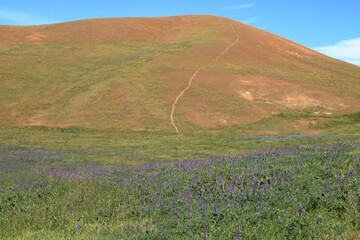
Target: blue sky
328, 26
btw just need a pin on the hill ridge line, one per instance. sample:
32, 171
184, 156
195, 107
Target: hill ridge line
194, 75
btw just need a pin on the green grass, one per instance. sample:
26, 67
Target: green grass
82, 83
146, 147
67, 201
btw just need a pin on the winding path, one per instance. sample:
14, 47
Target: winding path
194, 75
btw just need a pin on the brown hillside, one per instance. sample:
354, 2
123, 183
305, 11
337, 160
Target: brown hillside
128, 71
155, 29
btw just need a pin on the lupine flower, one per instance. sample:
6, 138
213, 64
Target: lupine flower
147, 226
351, 169
137, 230
242, 201
203, 209
78, 227
288, 180
290, 228
279, 221
96, 228
282, 178
256, 185
204, 231
177, 214
341, 179
227, 202
300, 210
235, 179
238, 235
318, 220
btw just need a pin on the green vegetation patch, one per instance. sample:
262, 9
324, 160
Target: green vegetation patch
294, 193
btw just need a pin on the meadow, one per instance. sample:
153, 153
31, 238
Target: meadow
73, 183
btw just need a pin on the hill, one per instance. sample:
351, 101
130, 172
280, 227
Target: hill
126, 73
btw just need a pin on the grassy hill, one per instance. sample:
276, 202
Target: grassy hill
88, 150
125, 73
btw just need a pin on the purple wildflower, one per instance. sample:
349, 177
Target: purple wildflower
325, 189
300, 210
318, 220
271, 183
96, 228
227, 202
279, 221
204, 231
282, 178
177, 214
137, 230
216, 208
238, 235
147, 226
351, 169
288, 180
203, 209
341, 179
290, 228
78, 227
235, 179
256, 185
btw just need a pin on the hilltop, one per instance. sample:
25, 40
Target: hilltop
125, 74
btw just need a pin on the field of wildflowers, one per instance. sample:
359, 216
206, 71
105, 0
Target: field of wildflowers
284, 193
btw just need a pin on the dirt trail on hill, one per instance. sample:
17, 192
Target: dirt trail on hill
194, 75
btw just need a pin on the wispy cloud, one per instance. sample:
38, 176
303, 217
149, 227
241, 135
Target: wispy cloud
21, 18
347, 50
250, 20
238, 7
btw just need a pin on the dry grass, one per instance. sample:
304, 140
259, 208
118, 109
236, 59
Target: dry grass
124, 73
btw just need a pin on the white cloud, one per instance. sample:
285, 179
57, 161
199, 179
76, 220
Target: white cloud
21, 18
250, 20
347, 50
238, 7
